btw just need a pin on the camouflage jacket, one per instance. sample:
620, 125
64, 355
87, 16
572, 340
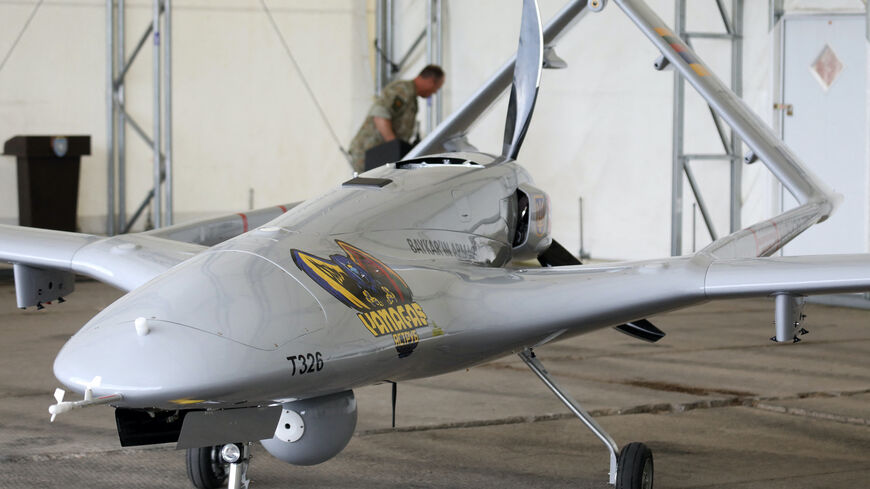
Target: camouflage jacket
398, 103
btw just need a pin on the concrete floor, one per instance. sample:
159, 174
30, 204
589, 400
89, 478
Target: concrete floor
718, 403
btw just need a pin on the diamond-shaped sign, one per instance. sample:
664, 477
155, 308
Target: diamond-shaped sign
826, 67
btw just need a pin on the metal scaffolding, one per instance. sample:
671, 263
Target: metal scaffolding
731, 144
434, 49
386, 69
118, 119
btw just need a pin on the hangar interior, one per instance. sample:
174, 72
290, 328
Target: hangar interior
265, 95
253, 104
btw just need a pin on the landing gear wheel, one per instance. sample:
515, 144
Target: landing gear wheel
634, 467
205, 469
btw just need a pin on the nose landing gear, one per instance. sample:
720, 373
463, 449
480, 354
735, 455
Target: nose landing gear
205, 469
212, 467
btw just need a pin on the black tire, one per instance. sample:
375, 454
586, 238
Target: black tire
205, 469
634, 467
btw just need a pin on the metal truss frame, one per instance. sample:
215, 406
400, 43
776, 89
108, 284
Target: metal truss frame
118, 119
386, 70
731, 143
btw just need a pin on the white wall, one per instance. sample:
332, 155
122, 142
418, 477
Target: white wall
602, 127
51, 84
242, 118
797, 6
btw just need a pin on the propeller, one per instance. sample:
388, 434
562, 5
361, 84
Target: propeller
58, 396
527, 80
63, 407
557, 256
642, 330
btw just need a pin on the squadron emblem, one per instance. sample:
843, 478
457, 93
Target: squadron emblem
383, 300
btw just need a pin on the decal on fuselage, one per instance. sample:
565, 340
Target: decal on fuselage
437, 247
360, 281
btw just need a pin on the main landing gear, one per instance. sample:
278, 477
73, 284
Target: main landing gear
630, 468
211, 467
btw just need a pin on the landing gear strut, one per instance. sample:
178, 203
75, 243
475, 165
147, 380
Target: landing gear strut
631, 468
211, 467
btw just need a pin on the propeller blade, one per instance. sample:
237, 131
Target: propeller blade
557, 256
642, 330
527, 79
58, 396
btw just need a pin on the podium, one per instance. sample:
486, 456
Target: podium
48, 179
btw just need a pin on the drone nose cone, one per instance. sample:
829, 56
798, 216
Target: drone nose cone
173, 361
209, 328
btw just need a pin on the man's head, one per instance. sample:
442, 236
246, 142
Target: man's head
429, 80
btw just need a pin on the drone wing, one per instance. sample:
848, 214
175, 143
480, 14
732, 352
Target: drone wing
579, 299
45, 261
796, 275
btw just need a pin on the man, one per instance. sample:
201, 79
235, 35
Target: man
394, 113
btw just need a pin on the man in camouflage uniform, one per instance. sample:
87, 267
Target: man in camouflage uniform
394, 113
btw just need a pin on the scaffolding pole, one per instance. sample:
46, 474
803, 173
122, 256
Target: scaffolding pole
121, 122
383, 44
732, 146
118, 119
434, 49
387, 70
167, 111
736, 150
110, 116
678, 128
156, 123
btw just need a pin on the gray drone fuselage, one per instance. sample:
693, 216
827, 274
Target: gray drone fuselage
243, 323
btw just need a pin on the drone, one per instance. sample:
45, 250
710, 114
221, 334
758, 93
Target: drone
235, 330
